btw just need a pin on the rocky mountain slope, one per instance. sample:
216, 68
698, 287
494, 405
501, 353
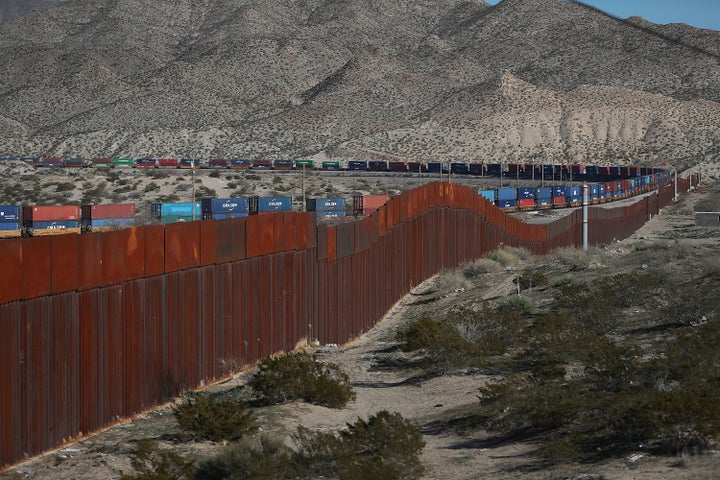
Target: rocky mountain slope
451, 79
10, 9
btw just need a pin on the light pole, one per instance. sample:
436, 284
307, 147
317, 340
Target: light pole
303, 187
192, 205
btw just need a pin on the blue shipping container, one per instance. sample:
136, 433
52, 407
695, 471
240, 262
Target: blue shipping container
108, 222
601, 189
9, 225
330, 213
558, 191
160, 210
9, 213
506, 203
544, 192
489, 195
572, 199
572, 191
506, 193
544, 201
318, 204
225, 205
54, 225
527, 192
223, 216
274, 204
594, 190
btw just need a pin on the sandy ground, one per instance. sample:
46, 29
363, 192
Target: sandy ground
446, 455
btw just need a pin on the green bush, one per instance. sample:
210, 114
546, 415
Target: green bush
151, 464
301, 376
386, 446
208, 417
261, 458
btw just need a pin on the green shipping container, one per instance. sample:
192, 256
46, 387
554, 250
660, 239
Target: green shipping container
331, 165
179, 218
123, 162
306, 163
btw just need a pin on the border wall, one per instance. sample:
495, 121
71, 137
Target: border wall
99, 327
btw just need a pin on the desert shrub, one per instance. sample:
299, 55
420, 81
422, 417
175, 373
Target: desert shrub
464, 338
520, 304
65, 187
301, 376
209, 417
510, 256
214, 174
385, 446
151, 187
260, 458
531, 278
443, 346
150, 463
480, 267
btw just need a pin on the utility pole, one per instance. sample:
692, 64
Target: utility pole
303, 187
192, 205
585, 189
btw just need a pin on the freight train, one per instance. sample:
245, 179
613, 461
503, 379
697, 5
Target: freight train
45, 220
525, 171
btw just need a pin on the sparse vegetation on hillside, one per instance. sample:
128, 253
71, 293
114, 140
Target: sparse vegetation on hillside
617, 361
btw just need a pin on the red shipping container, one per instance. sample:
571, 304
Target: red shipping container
558, 200
526, 202
373, 202
610, 187
168, 162
109, 211
50, 214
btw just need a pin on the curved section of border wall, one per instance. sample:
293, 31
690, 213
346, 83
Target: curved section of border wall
99, 327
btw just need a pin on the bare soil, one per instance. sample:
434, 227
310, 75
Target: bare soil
369, 360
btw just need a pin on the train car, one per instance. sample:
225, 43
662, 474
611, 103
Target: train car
331, 165
360, 165
262, 164
34, 161
101, 162
304, 164
477, 169
224, 208
242, 163
106, 217
176, 212
51, 162
188, 163
264, 205
378, 165
123, 162
219, 163
10, 221
459, 168
367, 204
50, 220
145, 162
397, 167
168, 163
326, 207
437, 167
416, 167
283, 164
74, 162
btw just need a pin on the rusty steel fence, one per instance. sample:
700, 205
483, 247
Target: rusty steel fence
99, 327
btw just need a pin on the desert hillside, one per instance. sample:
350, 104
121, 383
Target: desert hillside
452, 79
